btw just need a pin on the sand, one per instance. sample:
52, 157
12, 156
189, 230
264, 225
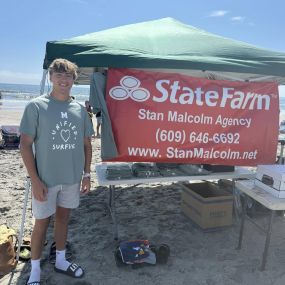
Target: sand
148, 212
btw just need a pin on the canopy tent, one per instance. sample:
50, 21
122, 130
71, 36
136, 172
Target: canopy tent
168, 44
163, 45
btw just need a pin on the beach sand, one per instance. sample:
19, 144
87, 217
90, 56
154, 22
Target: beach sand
143, 212
10, 117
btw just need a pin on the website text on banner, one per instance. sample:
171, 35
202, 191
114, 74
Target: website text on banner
163, 117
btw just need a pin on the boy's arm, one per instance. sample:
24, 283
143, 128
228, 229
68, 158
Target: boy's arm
86, 185
38, 187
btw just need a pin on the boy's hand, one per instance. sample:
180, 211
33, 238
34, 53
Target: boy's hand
85, 185
39, 190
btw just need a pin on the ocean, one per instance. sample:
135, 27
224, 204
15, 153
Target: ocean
16, 96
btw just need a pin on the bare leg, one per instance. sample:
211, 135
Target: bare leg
97, 130
38, 237
61, 226
37, 242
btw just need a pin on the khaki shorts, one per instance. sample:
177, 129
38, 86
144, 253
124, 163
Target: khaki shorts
65, 196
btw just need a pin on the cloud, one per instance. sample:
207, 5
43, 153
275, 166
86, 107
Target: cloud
238, 19
218, 13
7, 76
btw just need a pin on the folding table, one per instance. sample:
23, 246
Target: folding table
249, 189
240, 172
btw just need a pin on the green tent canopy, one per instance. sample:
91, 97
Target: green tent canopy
169, 44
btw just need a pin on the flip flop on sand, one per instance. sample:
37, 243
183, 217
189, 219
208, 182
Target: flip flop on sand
71, 270
25, 249
25, 253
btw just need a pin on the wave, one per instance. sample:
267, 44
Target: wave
27, 91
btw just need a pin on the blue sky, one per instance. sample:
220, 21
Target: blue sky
26, 26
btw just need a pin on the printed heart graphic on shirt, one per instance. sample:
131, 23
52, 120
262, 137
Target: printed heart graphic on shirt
65, 135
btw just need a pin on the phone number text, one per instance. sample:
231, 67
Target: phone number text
181, 136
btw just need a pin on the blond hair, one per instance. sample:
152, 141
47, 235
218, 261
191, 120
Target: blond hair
63, 65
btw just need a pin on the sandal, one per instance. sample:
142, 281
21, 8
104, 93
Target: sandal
25, 253
52, 252
32, 283
118, 258
71, 270
162, 252
25, 249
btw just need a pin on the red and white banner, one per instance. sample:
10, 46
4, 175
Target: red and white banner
164, 117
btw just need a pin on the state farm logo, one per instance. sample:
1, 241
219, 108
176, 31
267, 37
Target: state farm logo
129, 87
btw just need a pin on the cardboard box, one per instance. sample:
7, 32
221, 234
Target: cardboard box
207, 204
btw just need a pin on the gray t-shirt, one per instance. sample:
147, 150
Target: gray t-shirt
58, 129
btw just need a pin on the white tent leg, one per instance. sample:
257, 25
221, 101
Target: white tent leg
20, 236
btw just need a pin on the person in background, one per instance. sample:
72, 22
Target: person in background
90, 112
89, 109
61, 130
99, 123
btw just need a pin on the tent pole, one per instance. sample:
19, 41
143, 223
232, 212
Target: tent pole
43, 81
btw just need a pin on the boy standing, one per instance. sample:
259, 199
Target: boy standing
61, 131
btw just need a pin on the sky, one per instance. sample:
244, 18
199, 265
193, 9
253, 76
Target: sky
26, 25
